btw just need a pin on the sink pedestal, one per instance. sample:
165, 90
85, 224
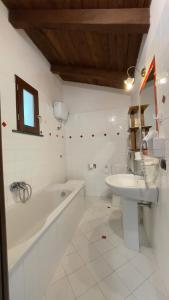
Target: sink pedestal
130, 223
132, 189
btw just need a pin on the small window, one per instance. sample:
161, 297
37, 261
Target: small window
27, 105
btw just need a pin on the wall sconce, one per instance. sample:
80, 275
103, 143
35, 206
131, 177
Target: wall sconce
129, 82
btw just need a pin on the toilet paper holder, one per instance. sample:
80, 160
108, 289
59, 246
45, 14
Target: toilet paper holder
92, 166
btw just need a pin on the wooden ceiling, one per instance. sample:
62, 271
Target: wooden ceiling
88, 41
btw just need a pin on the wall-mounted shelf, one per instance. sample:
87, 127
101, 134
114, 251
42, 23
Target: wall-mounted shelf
146, 128
135, 109
142, 127
134, 150
135, 113
133, 129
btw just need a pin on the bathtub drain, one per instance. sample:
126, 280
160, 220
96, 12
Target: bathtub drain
63, 194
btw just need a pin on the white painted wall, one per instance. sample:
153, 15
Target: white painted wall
95, 110
33, 159
157, 220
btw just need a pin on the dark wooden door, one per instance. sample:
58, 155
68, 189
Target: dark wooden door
4, 294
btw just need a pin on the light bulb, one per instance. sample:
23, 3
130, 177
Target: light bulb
129, 82
129, 86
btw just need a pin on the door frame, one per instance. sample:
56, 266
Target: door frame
4, 283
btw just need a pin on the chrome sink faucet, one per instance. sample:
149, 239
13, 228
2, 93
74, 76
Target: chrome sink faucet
130, 171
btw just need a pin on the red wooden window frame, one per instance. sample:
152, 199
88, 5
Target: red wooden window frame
21, 85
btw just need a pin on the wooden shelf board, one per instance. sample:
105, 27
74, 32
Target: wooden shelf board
133, 129
134, 109
144, 107
134, 150
146, 127
136, 128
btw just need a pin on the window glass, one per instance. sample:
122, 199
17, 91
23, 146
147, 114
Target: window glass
28, 107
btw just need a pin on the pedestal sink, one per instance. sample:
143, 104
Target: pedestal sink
132, 189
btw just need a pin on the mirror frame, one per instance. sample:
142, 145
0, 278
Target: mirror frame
143, 84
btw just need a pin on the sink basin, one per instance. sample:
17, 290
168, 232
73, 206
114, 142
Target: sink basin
133, 187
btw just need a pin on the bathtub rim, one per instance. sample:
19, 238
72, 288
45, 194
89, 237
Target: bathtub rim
77, 186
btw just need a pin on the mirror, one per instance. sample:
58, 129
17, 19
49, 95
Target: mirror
148, 102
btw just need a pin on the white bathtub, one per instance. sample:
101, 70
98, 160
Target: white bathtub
38, 233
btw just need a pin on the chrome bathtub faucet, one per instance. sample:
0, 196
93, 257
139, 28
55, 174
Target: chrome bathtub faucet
22, 189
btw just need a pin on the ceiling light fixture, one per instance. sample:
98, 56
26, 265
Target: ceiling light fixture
129, 82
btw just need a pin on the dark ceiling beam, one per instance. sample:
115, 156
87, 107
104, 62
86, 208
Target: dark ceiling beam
40, 40
90, 75
132, 20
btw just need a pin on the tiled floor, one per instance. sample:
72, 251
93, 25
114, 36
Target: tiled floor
95, 268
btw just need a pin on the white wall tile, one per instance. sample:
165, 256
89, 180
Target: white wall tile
95, 110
